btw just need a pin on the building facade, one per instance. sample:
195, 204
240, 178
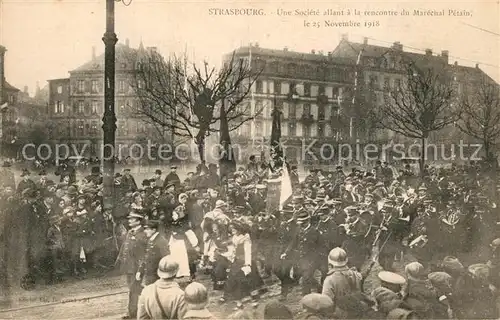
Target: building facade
76, 106
313, 90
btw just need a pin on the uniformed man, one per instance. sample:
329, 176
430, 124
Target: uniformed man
282, 268
157, 247
131, 252
392, 281
305, 243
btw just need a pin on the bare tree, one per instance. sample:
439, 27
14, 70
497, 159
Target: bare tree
481, 114
186, 101
421, 104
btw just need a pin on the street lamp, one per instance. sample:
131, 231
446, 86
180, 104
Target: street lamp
109, 117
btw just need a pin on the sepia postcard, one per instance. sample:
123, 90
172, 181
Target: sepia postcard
167, 159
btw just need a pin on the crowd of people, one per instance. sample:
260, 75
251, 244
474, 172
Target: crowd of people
340, 238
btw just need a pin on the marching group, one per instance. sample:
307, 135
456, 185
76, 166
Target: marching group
371, 243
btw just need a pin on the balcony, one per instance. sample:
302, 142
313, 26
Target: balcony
293, 96
322, 99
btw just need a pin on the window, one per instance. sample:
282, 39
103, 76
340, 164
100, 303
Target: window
93, 106
59, 107
292, 129
307, 109
121, 86
321, 112
372, 82
81, 107
80, 86
321, 90
259, 129
140, 84
59, 89
258, 86
141, 128
321, 130
397, 84
292, 111
306, 131
93, 127
11, 98
386, 84
277, 87
80, 129
307, 89
94, 86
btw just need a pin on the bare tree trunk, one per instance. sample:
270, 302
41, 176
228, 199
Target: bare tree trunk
200, 142
422, 157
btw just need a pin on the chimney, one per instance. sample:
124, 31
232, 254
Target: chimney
25, 89
397, 46
444, 55
313, 51
93, 53
127, 42
345, 37
428, 52
2, 72
330, 53
477, 65
285, 49
365, 40
256, 44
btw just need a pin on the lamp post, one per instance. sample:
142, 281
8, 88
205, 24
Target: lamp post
109, 118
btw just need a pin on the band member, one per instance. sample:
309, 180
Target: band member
131, 252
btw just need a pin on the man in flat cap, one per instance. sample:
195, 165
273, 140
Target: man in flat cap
26, 182
131, 252
157, 178
128, 182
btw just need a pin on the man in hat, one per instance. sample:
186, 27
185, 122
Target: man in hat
157, 178
257, 199
341, 280
26, 182
157, 247
41, 183
55, 247
163, 299
128, 181
7, 176
131, 252
392, 281
95, 175
305, 244
172, 178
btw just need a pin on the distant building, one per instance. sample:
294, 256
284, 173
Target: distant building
76, 105
313, 90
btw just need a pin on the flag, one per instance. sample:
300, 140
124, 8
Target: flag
286, 186
276, 150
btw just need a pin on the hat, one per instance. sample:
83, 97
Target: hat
134, 215
126, 170
318, 303
495, 243
422, 188
95, 170
480, 271
219, 204
146, 183
379, 184
350, 209
152, 224
298, 198
415, 270
158, 171
196, 294
261, 187
384, 295
42, 173
72, 191
399, 314
169, 185
368, 195
338, 167
25, 172
167, 268
440, 280
50, 183
337, 257
173, 167
303, 215
391, 278
277, 310
6, 164
452, 265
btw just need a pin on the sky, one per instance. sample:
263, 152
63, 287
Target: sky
47, 38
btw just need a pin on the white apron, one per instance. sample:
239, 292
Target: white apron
179, 252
